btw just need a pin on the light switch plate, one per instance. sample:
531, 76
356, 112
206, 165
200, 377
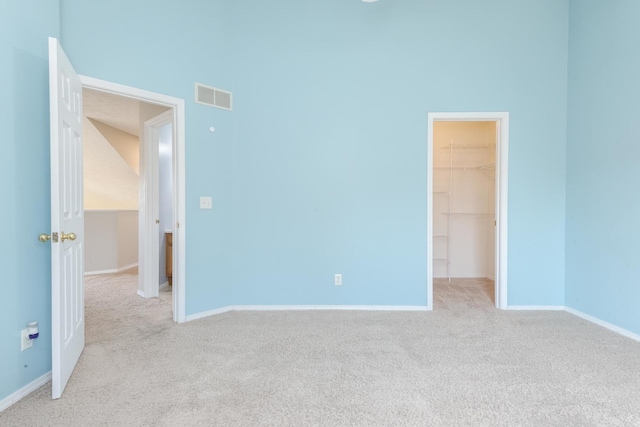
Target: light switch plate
206, 203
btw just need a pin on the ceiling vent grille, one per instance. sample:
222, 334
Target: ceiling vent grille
214, 97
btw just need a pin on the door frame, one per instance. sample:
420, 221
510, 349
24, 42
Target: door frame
502, 192
149, 244
179, 239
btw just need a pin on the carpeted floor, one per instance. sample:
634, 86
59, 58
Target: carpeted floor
464, 364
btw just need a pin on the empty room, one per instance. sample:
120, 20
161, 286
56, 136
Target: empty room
391, 212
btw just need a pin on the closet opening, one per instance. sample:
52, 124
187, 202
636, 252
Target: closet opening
466, 230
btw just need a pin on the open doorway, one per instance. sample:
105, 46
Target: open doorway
115, 134
467, 200
147, 185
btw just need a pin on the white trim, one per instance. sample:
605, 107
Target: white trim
208, 313
140, 293
607, 325
97, 272
408, 308
329, 307
163, 285
110, 210
127, 267
502, 192
535, 307
304, 308
179, 239
24, 391
149, 242
114, 270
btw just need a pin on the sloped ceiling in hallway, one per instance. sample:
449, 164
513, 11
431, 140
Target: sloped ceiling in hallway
127, 145
109, 181
116, 111
112, 126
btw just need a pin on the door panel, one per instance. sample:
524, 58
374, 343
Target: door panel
67, 218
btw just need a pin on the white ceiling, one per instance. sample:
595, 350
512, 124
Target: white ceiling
117, 111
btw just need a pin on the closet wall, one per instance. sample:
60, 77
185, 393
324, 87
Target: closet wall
464, 199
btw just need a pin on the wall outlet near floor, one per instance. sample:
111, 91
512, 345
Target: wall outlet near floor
206, 202
25, 342
337, 279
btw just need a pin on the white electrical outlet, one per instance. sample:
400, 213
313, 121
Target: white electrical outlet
337, 279
25, 342
206, 203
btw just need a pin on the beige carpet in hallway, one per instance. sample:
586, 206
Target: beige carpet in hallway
464, 364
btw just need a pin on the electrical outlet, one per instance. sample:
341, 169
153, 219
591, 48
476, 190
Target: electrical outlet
337, 279
206, 203
25, 342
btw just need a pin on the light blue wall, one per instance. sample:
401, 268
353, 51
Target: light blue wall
166, 48
24, 176
603, 174
321, 167
330, 131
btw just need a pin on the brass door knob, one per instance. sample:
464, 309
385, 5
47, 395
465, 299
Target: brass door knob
44, 237
70, 236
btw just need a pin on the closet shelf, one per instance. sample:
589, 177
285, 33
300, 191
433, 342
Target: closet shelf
441, 260
467, 147
468, 213
442, 236
488, 166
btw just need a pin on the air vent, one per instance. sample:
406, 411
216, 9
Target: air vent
213, 97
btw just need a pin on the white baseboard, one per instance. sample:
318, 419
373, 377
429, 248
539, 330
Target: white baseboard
536, 307
163, 285
140, 293
419, 308
304, 308
604, 324
114, 270
96, 272
587, 317
127, 267
329, 307
208, 313
24, 391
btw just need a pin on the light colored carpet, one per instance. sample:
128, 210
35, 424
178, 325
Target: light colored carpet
464, 364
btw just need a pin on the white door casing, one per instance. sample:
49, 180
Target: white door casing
177, 105
149, 253
67, 218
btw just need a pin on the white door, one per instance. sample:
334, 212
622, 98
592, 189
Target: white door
67, 218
